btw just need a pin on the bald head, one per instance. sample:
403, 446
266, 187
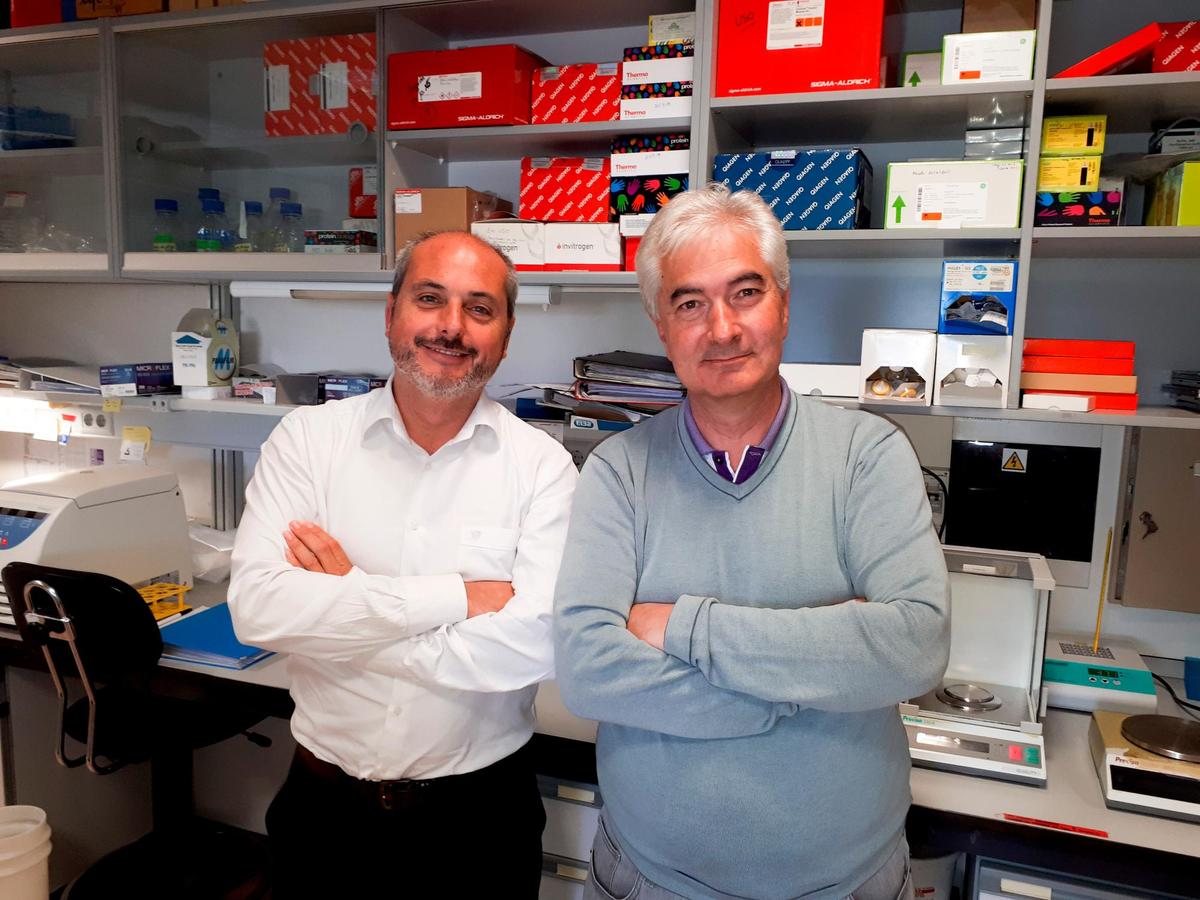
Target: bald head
455, 249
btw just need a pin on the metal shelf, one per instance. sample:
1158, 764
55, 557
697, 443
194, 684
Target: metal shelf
56, 161
202, 267
1131, 102
878, 243
52, 266
936, 112
1122, 242
594, 281
1143, 417
268, 153
515, 141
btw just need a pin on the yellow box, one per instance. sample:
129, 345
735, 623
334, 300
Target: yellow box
1074, 135
1068, 173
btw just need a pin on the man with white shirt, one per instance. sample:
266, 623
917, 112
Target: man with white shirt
402, 548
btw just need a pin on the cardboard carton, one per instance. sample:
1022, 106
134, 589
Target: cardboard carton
972, 370
418, 210
897, 366
954, 194
204, 350
808, 190
978, 296
564, 189
320, 85
523, 242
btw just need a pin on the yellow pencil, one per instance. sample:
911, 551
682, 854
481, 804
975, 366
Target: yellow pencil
1103, 590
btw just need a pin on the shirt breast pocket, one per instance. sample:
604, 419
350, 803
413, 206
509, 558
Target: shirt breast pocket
486, 552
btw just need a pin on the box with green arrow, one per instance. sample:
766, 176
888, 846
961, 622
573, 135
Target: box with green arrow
954, 194
920, 69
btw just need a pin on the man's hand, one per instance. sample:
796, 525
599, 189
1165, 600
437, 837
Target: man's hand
487, 596
310, 547
648, 622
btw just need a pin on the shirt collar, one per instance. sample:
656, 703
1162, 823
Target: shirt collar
707, 450
381, 408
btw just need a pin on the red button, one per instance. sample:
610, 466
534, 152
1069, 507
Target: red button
1014, 753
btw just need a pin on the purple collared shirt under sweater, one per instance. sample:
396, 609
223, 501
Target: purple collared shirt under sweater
755, 453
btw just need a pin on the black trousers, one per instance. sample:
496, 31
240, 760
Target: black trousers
463, 836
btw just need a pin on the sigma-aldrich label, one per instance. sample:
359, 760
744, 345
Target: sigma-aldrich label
808, 190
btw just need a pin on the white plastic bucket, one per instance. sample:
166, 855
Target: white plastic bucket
24, 853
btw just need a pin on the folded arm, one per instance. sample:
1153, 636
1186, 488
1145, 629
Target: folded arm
849, 656
604, 671
281, 607
512, 648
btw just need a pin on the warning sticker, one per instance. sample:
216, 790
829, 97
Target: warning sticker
1014, 459
458, 86
795, 23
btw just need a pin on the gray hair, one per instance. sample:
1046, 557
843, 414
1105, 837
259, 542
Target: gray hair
404, 257
712, 209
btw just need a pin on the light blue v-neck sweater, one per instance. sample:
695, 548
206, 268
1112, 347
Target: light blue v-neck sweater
762, 755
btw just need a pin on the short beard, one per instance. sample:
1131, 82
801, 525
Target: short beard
441, 388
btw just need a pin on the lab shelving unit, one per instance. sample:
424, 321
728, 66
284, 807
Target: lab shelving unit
168, 103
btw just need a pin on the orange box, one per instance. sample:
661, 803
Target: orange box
321, 85
1076, 365
1070, 347
1107, 384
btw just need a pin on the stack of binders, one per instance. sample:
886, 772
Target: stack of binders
622, 385
1184, 389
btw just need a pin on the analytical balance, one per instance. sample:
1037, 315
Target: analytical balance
1148, 763
984, 718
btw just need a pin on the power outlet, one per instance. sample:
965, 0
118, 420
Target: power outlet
85, 422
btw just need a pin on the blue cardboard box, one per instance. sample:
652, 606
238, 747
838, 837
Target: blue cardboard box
808, 190
137, 380
979, 296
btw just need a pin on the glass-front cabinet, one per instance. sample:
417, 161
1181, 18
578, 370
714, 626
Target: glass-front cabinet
54, 213
249, 147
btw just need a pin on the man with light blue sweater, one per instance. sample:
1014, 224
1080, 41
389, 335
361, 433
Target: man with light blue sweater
751, 584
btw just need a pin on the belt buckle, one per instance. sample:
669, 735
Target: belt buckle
398, 794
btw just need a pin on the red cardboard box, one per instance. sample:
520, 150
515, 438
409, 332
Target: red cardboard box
1075, 365
26, 13
768, 47
320, 85
586, 92
564, 189
1179, 49
451, 88
1137, 47
364, 192
631, 249
1067, 347
1103, 401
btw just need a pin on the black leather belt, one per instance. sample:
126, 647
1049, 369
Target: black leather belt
405, 793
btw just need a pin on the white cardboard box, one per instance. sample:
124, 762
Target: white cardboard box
583, 247
657, 71
656, 108
964, 193
821, 380
988, 56
204, 350
653, 162
972, 370
524, 242
897, 366
671, 27
926, 67
1063, 402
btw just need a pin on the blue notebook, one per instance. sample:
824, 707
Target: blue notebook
206, 636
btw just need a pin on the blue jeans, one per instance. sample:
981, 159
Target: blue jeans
613, 876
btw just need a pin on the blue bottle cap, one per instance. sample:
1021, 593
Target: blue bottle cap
253, 208
213, 206
165, 203
280, 194
290, 209
208, 194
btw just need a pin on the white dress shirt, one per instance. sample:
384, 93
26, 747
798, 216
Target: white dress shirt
389, 677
